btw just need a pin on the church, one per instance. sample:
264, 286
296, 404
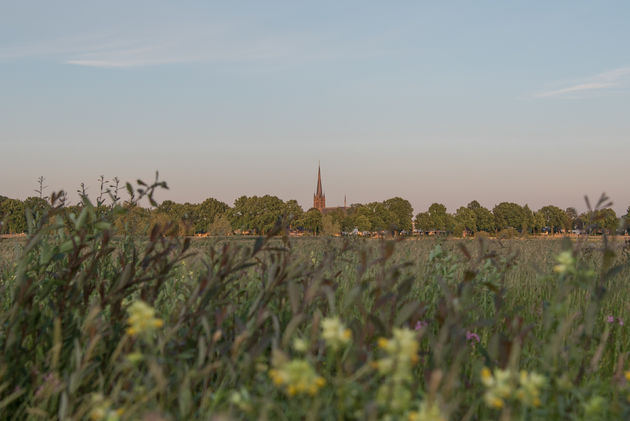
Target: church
319, 198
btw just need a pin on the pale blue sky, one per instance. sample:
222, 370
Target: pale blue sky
432, 101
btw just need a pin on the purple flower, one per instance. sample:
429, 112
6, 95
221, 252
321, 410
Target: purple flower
420, 324
620, 321
610, 319
472, 336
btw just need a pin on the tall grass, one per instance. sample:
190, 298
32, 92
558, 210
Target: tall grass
102, 325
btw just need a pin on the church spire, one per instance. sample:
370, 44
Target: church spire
319, 198
319, 191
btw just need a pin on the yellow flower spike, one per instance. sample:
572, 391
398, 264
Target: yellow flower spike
335, 333
627, 375
497, 403
142, 319
298, 377
486, 374
382, 343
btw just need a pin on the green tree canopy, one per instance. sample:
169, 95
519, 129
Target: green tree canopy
554, 218
509, 215
423, 222
312, 221
400, 214
439, 217
467, 219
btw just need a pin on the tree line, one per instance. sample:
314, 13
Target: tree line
259, 214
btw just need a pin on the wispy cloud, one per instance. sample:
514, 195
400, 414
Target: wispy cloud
599, 82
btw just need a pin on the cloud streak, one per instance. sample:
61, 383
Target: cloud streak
599, 82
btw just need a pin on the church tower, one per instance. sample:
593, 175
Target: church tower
319, 199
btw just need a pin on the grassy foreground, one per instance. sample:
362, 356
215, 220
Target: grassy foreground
94, 325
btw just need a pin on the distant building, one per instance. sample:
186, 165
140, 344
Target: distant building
319, 198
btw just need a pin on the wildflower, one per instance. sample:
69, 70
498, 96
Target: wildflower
335, 333
529, 391
142, 319
499, 386
565, 261
135, 357
627, 375
594, 406
297, 377
401, 352
102, 409
429, 411
300, 345
420, 324
620, 320
610, 319
473, 337
241, 399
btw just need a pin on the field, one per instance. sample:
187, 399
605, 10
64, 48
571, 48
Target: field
108, 327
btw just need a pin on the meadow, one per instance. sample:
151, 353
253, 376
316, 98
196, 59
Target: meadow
96, 324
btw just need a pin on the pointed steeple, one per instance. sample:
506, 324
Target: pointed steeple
319, 191
319, 199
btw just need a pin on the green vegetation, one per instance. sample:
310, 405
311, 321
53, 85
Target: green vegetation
258, 215
99, 323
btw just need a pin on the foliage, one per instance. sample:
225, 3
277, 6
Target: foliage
98, 323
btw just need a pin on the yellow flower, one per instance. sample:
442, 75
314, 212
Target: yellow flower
627, 375
401, 353
335, 333
565, 261
102, 410
142, 319
529, 391
297, 377
499, 386
429, 411
503, 385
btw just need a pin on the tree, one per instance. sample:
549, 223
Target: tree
400, 212
135, 221
257, 213
439, 217
205, 213
312, 221
485, 220
606, 220
362, 223
539, 222
423, 222
329, 226
467, 218
220, 226
508, 215
554, 218
293, 212
572, 216
12, 216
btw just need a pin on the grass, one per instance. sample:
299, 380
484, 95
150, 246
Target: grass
96, 324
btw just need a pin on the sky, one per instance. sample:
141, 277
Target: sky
524, 101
